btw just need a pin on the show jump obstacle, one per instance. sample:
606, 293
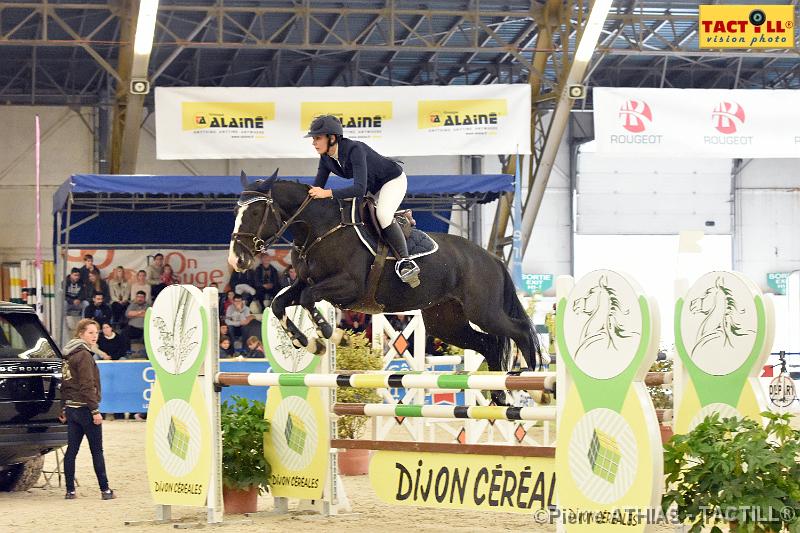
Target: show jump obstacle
608, 455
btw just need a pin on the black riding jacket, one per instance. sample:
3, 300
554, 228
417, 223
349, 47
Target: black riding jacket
368, 169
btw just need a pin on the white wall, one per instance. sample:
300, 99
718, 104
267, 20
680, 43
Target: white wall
768, 218
652, 196
66, 148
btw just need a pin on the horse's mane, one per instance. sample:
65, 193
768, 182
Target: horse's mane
265, 185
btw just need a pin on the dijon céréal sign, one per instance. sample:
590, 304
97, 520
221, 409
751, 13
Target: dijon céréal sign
455, 481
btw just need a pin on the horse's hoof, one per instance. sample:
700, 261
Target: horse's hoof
324, 331
336, 337
541, 397
316, 346
299, 341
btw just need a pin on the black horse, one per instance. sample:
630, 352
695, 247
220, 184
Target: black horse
460, 283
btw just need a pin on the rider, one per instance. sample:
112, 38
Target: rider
370, 172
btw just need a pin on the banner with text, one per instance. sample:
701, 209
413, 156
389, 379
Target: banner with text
242, 122
697, 122
201, 268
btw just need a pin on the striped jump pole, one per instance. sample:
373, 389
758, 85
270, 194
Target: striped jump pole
428, 380
542, 381
477, 412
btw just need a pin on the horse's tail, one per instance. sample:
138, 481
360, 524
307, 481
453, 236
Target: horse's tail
513, 308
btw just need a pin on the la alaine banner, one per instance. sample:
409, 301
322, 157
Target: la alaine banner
697, 122
241, 122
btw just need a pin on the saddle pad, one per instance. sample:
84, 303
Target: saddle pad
419, 243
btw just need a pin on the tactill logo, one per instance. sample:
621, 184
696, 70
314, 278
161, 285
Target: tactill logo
727, 116
634, 113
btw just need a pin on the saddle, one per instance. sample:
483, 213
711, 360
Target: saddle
360, 212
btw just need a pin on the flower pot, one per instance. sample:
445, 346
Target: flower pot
353, 462
239, 501
666, 433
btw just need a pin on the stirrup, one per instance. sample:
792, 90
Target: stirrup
411, 275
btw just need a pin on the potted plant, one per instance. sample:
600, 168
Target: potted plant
245, 470
356, 354
662, 396
736, 471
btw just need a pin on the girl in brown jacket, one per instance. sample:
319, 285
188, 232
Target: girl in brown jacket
80, 394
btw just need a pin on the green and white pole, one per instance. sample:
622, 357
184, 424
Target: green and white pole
527, 381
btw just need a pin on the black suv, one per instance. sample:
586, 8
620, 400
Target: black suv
30, 402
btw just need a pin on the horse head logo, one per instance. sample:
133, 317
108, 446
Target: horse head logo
602, 311
719, 310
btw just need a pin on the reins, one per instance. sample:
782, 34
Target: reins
259, 244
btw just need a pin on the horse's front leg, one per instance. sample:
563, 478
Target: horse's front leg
338, 288
324, 329
285, 298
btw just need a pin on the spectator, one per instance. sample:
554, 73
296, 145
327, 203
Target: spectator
244, 283
237, 317
225, 348
354, 321
113, 344
135, 313
223, 329
120, 294
154, 270
398, 321
227, 302
80, 397
288, 277
255, 350
96, 284
267, 280
89, 266
98, 311
140, 284
167, 279
74, 295
99, 355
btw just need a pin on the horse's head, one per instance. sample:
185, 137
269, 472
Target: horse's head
707, 303
257, 220
589, 302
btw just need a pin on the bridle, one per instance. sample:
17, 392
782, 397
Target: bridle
260, 246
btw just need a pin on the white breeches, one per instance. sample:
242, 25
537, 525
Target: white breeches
389, 199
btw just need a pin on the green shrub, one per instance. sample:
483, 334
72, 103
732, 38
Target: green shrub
735, 464
357, 354
243, 429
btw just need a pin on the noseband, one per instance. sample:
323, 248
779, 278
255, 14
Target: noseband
259, 244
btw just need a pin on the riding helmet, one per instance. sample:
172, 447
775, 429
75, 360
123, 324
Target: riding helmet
325, 125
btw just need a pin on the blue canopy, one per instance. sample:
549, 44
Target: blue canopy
118, 211
231, 185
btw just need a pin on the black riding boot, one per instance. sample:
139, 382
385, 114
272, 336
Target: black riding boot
406, 268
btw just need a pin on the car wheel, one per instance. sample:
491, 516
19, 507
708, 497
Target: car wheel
23, 476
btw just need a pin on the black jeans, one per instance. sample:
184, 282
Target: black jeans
80, 423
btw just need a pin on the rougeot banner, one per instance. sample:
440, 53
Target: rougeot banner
241, 122
697, 122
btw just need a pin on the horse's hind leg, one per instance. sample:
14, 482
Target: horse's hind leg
448, 322
502, 325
